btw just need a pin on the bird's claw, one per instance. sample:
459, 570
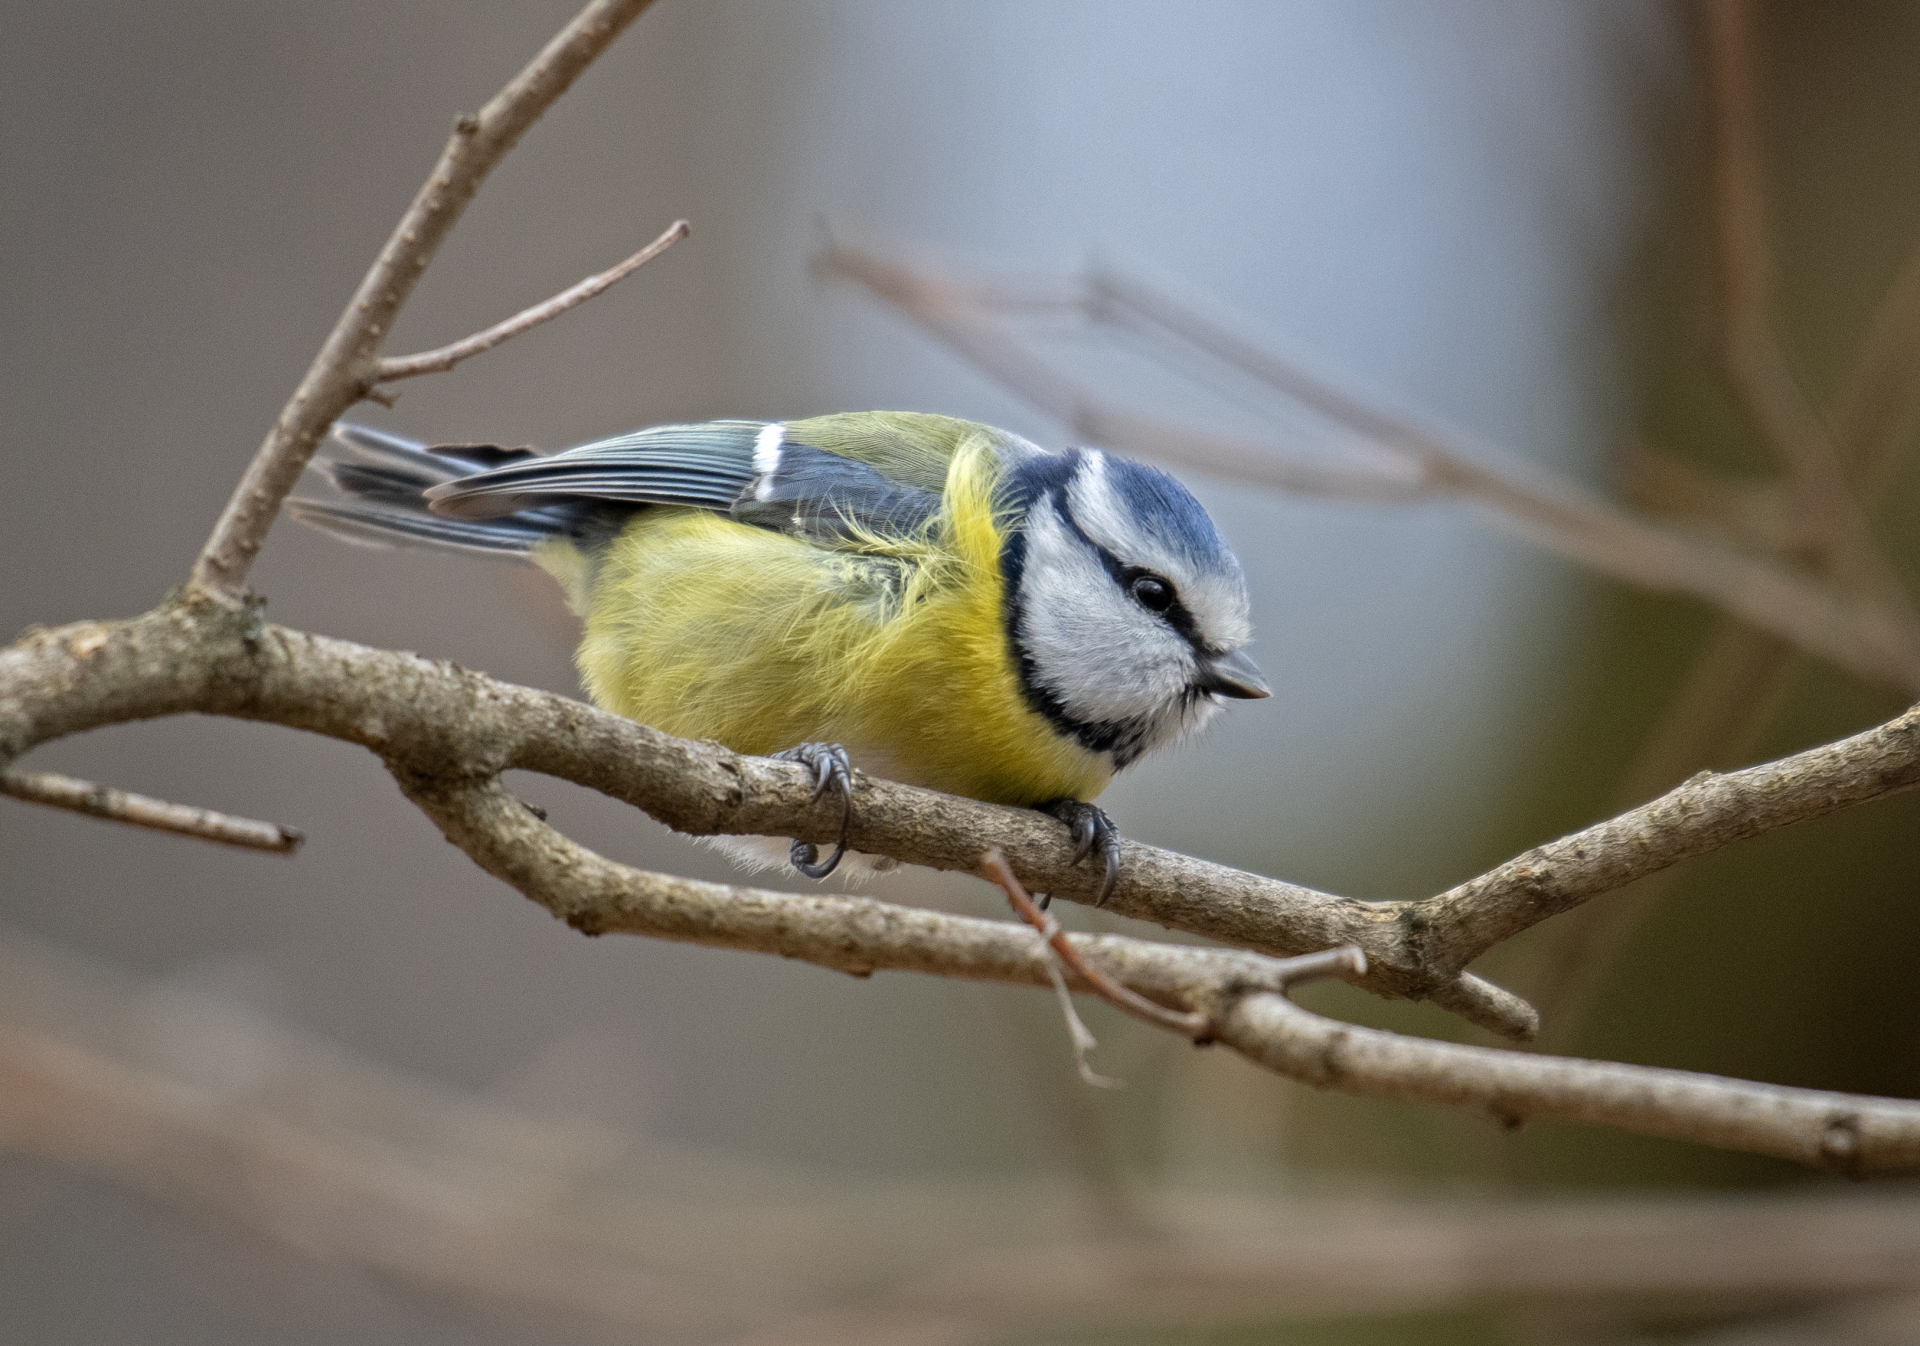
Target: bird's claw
832, 770
1092, 832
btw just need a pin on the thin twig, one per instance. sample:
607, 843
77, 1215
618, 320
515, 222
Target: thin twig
446, 357
1864, 632
1879, 406
347, 365
120, 806
1192, 1026
1751, 342
1702, 815
1736, 686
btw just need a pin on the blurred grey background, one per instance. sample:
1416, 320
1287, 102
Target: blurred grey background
1456, 207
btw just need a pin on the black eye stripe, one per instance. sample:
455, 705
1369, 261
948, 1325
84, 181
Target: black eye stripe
1176, 613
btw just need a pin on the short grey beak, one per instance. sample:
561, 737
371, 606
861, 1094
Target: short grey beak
1232, 675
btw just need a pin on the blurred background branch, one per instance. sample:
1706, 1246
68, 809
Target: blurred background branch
213, 1110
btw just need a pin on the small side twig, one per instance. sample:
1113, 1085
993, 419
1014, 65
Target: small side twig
1754, 359
345, 369
1192, 1025
444, 358
121, 806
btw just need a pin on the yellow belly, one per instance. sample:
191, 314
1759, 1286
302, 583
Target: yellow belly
708, 628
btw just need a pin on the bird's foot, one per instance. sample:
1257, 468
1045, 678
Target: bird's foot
832, 770
1093, 833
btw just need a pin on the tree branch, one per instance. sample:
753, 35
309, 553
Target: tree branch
446, 357
1241, 995
1702, 815
100, 801
346, 366
432, 721
447, 734
1849, 1133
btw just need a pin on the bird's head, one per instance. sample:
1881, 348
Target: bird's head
1126, 610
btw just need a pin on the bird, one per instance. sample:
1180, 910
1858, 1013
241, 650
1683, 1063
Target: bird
928, 599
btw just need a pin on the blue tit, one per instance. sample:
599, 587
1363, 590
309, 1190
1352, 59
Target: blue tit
934, 600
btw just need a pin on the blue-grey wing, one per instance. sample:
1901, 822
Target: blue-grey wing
706, 466
744, 469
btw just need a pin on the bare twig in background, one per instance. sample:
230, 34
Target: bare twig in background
1750, 340
347, 366
442, 1192
1829, 579
120, 806
1879, 406
1870, 1320
1869, 633
1742, 676
446, 357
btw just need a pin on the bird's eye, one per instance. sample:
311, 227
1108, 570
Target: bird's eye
1151, 592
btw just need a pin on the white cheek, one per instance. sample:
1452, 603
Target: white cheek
1093, 648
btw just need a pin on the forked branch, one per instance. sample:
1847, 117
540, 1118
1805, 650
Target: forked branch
347, 366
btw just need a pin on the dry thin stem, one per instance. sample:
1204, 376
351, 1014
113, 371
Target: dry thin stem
1878, 408
1192, 1026
1751, 342
1705, 813
1737, 685
348, 364
1871, 633
446, 357
120, 806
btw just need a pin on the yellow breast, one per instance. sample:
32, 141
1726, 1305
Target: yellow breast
896, 648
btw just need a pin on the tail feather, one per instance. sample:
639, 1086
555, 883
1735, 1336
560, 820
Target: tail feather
385, 526
385, 478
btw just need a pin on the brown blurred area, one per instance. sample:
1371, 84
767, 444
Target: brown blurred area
187, 194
